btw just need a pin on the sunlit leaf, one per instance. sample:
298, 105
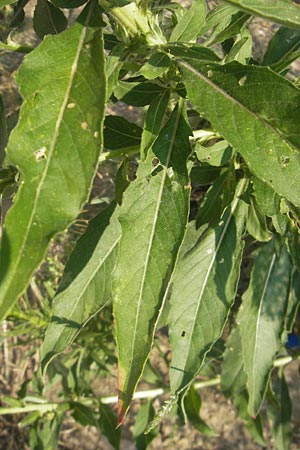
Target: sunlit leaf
204, 288
86, 284
261, 318
152, 231
60, 120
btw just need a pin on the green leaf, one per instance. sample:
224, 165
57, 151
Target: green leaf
114, 63
86, 283
108, 425
83, 414
216, 155
190, 24
60, 120
144, 417
284, 42
204, 174
261, 318
281, 11
293, 303
154, 121
253, 424
204, 287
157, 64
217, 20
152, 232
262, 126
241, 50
120, 134
280, 412
233, 379
68, 3
47, 19
268, 203
3, 132
192, 406
256, 223
233, 28
6, 2
217, 198
137, 94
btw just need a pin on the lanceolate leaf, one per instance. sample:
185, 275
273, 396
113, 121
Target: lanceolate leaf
190, 24
153, 218
280, 11
153, 121
280, 412
47, 19
3, 132
284, 42
233, 380
257, 111
204, 288
261, 318
56, 147
86, 284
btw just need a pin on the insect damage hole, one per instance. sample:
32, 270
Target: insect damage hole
40, 154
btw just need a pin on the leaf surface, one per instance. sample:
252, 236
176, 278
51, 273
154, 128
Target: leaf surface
47, 19
204, 288
191, 22
280, 413
153, 121
55, 146
86, 284
257, 111
153, 218
261, 318
281, 11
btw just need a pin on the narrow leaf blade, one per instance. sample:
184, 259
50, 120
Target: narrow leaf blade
261, 319
152, 231
260, 125
280, 11
204, 288
86, 284
189, 26
61, 118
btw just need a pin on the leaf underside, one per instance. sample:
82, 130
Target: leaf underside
153, 218
204, 287
261, 318
59, 121
257, 111
86, 284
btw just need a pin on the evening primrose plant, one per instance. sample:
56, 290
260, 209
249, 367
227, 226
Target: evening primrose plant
217, 129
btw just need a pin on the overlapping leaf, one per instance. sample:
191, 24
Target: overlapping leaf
55, 145
153, 219
261, 318
86, 285
257, 111
204, 288
190, 24
281, 11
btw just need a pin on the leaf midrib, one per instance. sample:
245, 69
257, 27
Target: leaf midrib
52, 145
255, 350
206, 279
238, 103
152, 235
